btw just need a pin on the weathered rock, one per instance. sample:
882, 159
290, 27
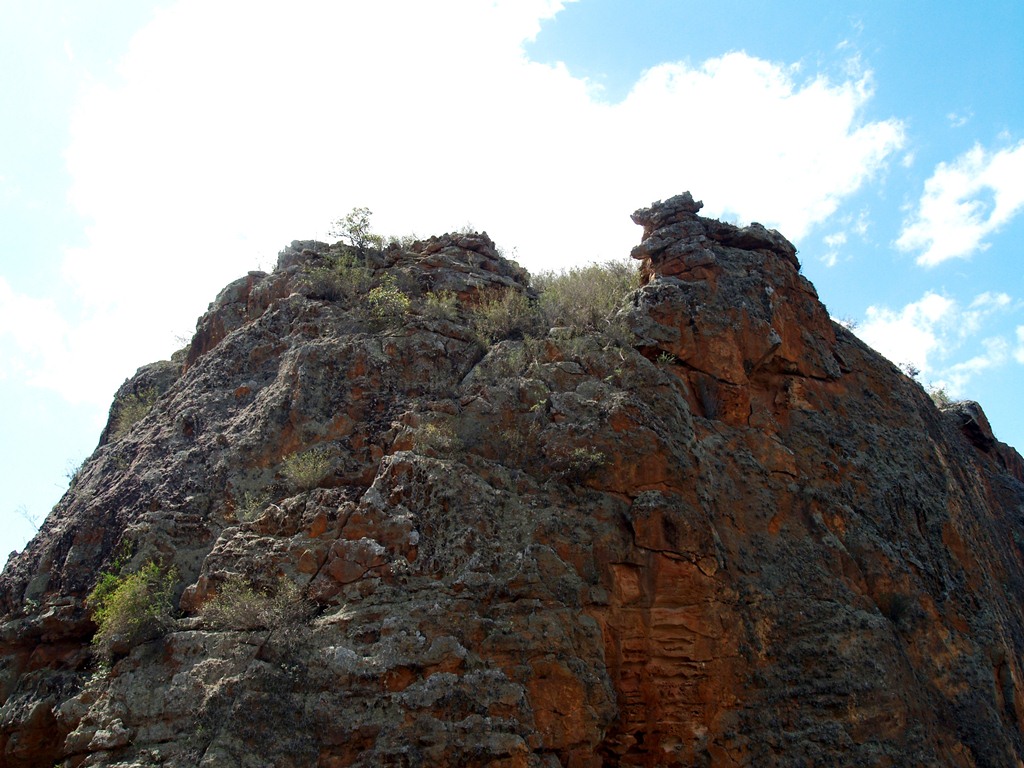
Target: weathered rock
742, 539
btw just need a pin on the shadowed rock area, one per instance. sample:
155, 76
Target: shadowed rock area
720, 531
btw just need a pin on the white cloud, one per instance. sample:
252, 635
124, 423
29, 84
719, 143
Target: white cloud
964, 202
83, 360
29, 324
959, 120
237, 127
833, 243
803, 154
862, 224
927, 333
911, 334
956, 377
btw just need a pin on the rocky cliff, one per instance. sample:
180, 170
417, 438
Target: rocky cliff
395, 520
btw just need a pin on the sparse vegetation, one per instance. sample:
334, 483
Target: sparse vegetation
580, 463
940, 397
129, 609
581, 299
305, 469
509, 316
387, 303
910, 369
251, 505
132, 409
848, 322
436, 438
354, 228
340, 275
443, 305
586, 298
238, 605
72, 471
521, 440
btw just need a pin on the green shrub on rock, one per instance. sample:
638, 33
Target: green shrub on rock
238, 605
387, 303
133, 408
586, 298
305, 469
340, 275
509, 316
132, 608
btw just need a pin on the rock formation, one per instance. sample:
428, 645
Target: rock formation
725, 534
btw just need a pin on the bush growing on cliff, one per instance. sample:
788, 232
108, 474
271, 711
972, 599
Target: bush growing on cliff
586, 298
305, 469
238, 605
580, 463
339, 276
583, 299
387, 303
509, 316
443, 305
251, 505
437, 439
133, 408
129, 609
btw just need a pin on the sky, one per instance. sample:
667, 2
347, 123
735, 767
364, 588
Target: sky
151, 151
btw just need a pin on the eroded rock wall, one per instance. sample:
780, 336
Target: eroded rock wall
740, 539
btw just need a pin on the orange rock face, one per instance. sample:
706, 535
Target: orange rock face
731, 536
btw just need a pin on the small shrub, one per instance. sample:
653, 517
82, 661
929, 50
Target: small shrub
72, 471
443, 305
436, 438
387, 303
940, 397
847, 322
405, 242
133, 608
237, 605
251, 505
339, 276
666, 358
305, 469
133, 408
510, 316
910, 369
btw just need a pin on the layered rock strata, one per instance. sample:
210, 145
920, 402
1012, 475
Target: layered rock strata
739, 537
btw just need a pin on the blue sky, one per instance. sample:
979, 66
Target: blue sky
150, 152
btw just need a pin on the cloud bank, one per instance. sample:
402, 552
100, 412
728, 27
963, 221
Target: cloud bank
926, 333
236, 127
964, 202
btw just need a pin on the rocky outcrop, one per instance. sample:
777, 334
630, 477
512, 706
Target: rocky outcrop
733, 536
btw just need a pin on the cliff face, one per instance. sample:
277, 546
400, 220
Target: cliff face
728, 534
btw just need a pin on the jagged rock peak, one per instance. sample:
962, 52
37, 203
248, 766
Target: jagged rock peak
706, 528
661, 213
675, 237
